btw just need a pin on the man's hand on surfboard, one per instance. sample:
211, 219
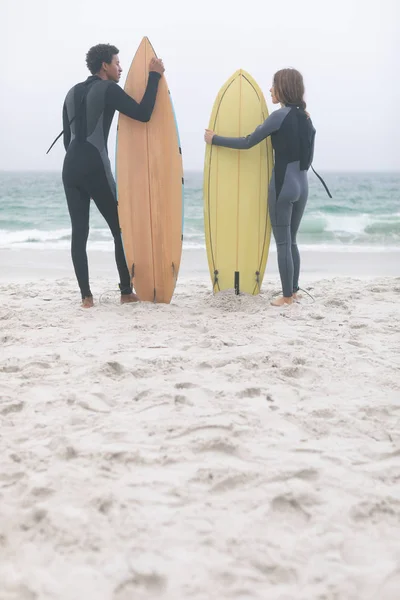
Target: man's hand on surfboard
208, 136
157, 65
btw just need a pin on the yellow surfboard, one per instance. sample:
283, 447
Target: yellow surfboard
237, 225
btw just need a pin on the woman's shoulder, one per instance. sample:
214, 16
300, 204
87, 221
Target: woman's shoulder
278, 116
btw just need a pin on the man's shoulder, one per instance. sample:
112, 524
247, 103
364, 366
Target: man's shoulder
92, 81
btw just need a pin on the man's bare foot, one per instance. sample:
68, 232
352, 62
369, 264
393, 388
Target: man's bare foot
296, 296
126, 298
87, 302
282, 300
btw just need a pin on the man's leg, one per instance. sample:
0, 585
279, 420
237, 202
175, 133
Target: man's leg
78, 206
99, 189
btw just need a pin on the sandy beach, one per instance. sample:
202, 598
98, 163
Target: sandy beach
215, 448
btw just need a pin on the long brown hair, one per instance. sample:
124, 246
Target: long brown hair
289, 87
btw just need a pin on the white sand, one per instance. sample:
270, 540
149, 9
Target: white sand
215, 448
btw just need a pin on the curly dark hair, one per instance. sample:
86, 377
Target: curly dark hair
99, 54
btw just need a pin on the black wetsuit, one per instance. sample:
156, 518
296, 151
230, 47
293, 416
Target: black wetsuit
88, 111
292, 135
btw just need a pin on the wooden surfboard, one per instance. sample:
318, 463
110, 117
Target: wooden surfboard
150, 187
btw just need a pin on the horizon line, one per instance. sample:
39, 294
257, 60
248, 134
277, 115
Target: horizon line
201, 170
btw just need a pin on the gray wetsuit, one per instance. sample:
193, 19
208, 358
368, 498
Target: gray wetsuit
292, 136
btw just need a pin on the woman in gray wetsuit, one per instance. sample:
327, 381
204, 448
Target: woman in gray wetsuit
292, 136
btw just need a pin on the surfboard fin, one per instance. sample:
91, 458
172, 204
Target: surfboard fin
215, 278
237, 289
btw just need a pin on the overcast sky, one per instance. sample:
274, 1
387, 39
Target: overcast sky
347, 50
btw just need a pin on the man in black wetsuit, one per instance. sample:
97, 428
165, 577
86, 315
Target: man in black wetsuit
88, 111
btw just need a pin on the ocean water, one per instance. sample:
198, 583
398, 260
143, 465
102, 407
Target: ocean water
364, 213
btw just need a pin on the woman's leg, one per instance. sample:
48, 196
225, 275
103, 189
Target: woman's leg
297, 214
280, 211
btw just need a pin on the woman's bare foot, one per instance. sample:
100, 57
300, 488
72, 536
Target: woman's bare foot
87, 302
282, 300
126, 298
296, 296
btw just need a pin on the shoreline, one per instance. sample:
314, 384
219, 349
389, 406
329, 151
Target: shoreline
27, 265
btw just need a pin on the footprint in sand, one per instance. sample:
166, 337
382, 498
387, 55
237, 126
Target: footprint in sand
220, 445
204, 365
4, 316
38, 363
12, 407
185, 385
35, 517
250, 393
304, 474
10, 369
180, 400
337, 303
323, 413
141, 585
123, 457
294, 372
386, 510
141, 395
142, 373
42, 492
113, 369
307, 474
276, 574
94, 403
356, 344
358, 325
61, 447
201, 428
8, 339
298, 360
317, 317
231, 482
103, 504
290, 510
10, 479
223, 480
382, 412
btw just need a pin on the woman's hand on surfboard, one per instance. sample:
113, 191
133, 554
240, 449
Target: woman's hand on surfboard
157, 65
208, 136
